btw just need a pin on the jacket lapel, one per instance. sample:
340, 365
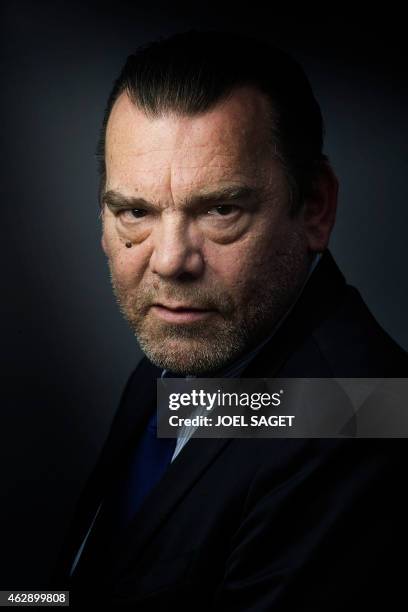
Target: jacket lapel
136, 403
181, 475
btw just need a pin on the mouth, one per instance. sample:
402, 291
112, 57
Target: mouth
180, 313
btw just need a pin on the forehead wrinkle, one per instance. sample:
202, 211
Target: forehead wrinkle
236, 120
235, 137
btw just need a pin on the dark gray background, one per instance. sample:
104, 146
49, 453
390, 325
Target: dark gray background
66, 351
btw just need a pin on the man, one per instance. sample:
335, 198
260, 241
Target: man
217, 206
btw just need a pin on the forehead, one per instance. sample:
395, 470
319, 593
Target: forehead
230, 141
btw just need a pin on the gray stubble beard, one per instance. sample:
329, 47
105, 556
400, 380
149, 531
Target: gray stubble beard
205, 347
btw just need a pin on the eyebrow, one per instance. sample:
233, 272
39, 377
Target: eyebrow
117, 201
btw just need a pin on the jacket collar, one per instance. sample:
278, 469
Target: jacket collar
320, 297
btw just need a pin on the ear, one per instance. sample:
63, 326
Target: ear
319, 209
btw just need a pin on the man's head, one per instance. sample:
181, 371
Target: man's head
211, 166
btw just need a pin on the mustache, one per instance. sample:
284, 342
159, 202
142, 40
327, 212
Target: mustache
205, 298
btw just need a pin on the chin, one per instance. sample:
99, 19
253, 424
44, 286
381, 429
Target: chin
186, 356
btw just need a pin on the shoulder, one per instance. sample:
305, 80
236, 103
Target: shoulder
144, 374
354, 344
330, 332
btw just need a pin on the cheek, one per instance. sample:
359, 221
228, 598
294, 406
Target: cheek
253, 261
238, 266
127, 265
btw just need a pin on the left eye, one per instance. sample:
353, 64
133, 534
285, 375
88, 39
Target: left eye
134, 213
223, 210
138, 212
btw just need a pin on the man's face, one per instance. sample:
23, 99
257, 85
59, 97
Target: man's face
216, 257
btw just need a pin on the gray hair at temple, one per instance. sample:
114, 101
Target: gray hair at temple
190, 72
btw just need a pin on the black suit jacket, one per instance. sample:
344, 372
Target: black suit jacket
262, 524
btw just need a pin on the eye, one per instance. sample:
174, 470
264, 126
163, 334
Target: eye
223, 210
138, 212
135, 213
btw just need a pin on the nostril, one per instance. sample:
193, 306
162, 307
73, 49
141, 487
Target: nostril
181, 263
186, 277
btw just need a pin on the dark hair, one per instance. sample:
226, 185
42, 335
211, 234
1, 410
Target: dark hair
190, 72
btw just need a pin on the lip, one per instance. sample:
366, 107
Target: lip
180, 313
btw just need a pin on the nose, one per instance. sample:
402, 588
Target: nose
176, 248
